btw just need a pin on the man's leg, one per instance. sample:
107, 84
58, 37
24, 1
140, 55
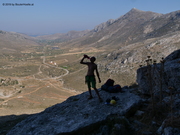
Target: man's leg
97, 92
87, 80
90, 94
94, 86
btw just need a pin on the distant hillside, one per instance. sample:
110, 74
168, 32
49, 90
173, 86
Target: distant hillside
15, 42
61, 37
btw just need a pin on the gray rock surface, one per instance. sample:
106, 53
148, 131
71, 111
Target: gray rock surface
77, 113
149, 77
168, 131
169, 82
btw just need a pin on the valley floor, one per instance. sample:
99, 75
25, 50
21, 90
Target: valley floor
40, 92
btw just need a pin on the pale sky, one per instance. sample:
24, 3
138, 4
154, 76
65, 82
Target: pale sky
61, 16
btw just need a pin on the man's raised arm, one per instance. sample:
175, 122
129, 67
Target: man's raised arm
82, 61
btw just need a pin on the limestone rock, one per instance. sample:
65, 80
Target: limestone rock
77, 115
149, 77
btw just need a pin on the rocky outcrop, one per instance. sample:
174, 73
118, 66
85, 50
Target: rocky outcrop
78, 115
160, 76
103, 25
162, 82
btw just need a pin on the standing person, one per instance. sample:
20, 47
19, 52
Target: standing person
90, 77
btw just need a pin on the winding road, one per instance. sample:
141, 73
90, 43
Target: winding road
49, 83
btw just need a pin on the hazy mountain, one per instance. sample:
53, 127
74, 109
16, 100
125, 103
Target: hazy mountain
61, 37
15, 42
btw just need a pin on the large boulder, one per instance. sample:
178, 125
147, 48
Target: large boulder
172, 70
163, 75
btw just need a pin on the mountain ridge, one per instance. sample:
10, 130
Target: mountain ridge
134, 26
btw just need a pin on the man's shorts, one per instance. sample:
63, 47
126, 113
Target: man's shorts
91, 81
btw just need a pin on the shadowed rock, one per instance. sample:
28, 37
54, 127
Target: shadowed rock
78, 115
170, 75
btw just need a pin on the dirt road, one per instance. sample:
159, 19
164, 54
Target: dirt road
38, 94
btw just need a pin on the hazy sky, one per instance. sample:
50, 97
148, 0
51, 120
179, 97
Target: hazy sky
61, 16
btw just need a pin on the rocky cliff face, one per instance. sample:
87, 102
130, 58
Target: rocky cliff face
162, 75
151, 108
162, 83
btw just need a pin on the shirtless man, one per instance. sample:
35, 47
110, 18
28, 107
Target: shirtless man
90, 77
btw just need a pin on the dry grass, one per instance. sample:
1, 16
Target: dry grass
40, 89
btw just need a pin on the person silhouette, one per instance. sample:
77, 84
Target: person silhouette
90, 79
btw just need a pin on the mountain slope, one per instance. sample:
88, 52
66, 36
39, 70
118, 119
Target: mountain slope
15, 42
134, 26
